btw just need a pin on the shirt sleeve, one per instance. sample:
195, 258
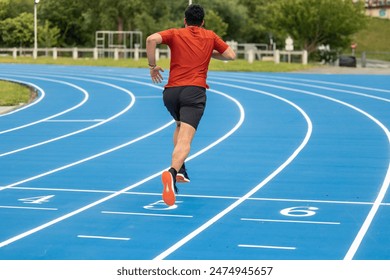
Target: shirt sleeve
166, 36
219, 44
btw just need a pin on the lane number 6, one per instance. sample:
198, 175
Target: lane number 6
299, 211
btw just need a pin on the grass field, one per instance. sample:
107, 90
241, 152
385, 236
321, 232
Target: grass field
12, 94
374, 39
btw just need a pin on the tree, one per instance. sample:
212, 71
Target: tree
48, 35
13, 8
254, 29
120, 15
312, 23
214, 22
18, 31
231, 12
70, 17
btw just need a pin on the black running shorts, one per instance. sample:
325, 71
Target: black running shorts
186, 104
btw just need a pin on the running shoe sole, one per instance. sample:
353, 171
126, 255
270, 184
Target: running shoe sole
180, 178
168, 193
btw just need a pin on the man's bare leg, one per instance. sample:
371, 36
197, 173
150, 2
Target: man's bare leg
182, 139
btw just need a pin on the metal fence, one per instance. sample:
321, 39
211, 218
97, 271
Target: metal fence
375, 59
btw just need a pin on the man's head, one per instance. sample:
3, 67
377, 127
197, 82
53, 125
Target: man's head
194, 15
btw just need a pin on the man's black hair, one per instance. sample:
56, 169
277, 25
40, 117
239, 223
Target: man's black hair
194, 15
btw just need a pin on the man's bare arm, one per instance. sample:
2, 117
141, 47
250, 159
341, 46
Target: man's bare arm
229, 54
151, 43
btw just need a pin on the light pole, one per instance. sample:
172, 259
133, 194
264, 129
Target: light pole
35, 29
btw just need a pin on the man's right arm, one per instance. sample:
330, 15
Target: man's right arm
151, 42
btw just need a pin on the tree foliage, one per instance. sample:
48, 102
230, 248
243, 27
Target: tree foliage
65, 23
70, 17
312, 23
17, 31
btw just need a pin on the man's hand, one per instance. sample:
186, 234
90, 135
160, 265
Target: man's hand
156, 75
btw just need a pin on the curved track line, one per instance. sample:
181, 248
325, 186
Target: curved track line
86, 96
322, 87
320, 82
343, 85
71, 214
86, 128
41, 96
234, 205
385, 185
64, 217
87, 158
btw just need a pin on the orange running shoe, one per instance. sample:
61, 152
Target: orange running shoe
169, 188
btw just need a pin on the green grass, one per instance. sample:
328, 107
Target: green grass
12, 94
237, 65
374, 39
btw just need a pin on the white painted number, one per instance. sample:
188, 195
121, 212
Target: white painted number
37, 199
300, 211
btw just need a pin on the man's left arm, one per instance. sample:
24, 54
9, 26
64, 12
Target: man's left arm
222, 50
228, 54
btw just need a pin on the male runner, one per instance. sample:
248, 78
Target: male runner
185, 93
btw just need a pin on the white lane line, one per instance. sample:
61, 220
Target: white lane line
386, 183
88, 158
266, 247
76, 121
374, 209
322, 87
279, 78
128, 107
103, 237
204, 196
289, 221
73, 213
35, 102
230, 208
27, 208
86, 96
337, 84
91, 205
146, 214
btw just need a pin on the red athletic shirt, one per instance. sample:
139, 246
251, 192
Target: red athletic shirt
191, 50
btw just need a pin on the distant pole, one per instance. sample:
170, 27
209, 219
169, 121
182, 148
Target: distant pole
190, 2
35, 29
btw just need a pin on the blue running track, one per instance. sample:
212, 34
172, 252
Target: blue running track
283, 167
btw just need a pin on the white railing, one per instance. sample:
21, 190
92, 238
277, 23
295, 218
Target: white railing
136, 53
75, 53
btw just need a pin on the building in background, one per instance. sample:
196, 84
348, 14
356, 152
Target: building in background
377, 8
